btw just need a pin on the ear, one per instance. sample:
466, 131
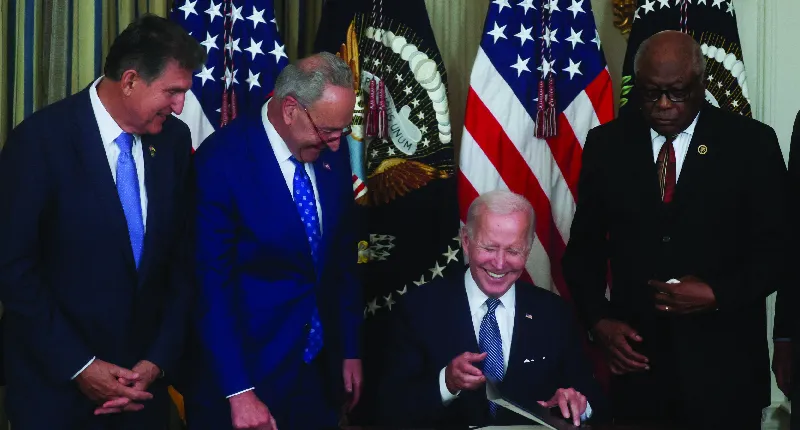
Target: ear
465, 241
130, 79
290, 108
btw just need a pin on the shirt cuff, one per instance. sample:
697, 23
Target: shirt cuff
82, 369
240, 392
587, 413
447, 396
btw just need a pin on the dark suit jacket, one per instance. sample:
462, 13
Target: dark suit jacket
258, 282
433, 325
786, 323
67, 274
725, 225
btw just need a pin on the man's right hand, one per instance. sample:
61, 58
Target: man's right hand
248, 412
614, 336
460, 374
100, 383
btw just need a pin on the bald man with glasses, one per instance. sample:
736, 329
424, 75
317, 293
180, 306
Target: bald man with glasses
687, 202
279, 308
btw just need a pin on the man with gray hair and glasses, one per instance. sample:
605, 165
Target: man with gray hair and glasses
456, 340
687, 203
279, 311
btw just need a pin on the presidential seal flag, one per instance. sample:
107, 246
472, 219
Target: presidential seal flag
245, 55
401, 152
712, 23
401, 146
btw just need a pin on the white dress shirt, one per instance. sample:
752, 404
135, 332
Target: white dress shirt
680, 144
110, 131
283, 155
505, 322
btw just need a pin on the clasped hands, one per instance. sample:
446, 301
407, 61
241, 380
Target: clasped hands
461, 374
689, 295
117, 389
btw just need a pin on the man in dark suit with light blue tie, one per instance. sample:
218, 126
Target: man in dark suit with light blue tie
279, 310
456, 341
93, 270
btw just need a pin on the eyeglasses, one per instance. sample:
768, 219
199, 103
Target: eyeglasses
675, 95
345, 132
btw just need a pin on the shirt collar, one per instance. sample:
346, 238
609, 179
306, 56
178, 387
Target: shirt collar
477, 298
109, 129
279, 147
689, 130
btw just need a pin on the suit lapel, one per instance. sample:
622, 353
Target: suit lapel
325, 183
89, 146
693, 163
639, 148
273, 192
157, 186
520, 337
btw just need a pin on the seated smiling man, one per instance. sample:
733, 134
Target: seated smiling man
452, 335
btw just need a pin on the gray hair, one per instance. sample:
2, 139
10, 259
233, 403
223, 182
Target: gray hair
697, 57
499, 202
306, 80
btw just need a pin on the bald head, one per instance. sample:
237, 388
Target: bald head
671, 47
306, 79
670, 71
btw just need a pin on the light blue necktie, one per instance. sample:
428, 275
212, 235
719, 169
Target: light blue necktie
307, 207
491, 343
128, 190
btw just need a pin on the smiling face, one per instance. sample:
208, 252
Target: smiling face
320, 126
149, 104
498, 251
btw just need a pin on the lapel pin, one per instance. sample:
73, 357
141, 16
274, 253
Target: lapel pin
529, 316
152, 151
702, 150
326, 166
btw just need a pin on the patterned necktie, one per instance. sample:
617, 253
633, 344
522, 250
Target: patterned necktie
667, 176
491, 343
307, 207
128, 190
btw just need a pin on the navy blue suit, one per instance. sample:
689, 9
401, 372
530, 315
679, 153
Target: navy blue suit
258, 283
68, 279
433, 325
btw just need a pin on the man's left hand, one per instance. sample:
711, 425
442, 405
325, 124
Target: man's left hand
684, 297
571, 402
148, 372
351, 370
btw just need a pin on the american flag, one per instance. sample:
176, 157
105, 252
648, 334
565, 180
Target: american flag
245, 55
499, 148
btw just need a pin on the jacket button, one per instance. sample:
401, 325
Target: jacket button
665, 239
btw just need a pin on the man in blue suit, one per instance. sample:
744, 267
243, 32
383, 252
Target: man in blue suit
453, 336
279, 305
93, 213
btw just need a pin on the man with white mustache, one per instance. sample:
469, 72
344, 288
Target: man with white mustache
453, 335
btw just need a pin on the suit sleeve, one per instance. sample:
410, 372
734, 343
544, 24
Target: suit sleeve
168, 345
215, 227
351, 297
44, 332
410, 392
585, 259
764, 237
786, 300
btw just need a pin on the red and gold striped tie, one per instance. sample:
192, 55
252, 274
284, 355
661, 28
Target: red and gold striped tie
666, 170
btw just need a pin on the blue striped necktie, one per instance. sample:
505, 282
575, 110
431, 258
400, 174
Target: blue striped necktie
491, 343
307, 207
128, 190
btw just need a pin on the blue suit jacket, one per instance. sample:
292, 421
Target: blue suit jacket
433, 325
258, 284
68, 280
